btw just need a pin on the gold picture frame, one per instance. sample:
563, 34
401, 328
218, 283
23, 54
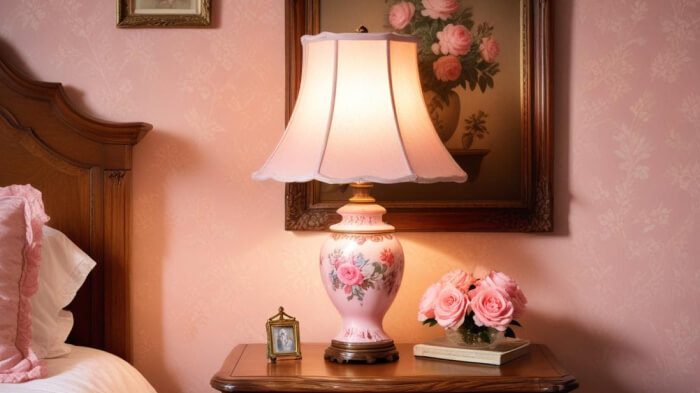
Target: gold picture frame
163, 13
279, 343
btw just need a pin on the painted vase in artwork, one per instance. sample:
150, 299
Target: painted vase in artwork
362, 273
457, 54
444, 114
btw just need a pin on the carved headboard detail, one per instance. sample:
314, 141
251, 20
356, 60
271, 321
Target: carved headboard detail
82, 166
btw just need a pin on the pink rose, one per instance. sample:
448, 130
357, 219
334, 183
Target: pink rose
426, 307
510, 287
439, 9
435, 48
447, 68
349, 274
489, 49
460, 279
454, 40
401, 14
492, 308
450, 307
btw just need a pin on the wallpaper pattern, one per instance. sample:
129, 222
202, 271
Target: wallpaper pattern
615, 291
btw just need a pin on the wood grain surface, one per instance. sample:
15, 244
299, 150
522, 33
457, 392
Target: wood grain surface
246, 370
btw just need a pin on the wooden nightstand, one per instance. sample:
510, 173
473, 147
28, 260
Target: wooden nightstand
246, 370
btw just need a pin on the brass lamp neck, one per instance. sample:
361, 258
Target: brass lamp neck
361, 193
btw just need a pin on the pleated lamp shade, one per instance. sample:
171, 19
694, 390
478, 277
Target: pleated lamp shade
360, 116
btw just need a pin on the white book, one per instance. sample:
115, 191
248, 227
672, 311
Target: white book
442, 348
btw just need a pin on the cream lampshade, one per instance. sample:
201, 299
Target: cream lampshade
360, 118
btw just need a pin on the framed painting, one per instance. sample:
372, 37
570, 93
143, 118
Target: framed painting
484, 67
163, 13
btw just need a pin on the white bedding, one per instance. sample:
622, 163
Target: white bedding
85, 370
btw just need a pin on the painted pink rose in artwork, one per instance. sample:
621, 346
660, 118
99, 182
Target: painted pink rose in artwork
349, 274
435, 48
460, 279
501, 280
426, 307
492, 307
401, 14
489, 49
450, 307
454, 40
439, 9
447, 68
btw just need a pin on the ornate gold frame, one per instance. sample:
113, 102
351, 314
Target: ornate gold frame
126, 16
282, 319
533, 212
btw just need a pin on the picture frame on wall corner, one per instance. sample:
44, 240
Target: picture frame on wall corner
163, 13
493, 115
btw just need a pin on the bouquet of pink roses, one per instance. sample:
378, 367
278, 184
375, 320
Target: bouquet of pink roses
480, 308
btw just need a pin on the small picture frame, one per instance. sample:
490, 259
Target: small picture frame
163, 13
282, 337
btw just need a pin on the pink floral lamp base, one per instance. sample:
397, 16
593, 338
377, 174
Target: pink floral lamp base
361, 268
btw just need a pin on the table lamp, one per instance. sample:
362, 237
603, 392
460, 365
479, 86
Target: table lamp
360, 118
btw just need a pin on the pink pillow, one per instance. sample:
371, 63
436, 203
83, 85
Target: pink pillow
21, 218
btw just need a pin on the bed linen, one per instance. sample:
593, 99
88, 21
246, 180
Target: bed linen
85, 370
63, 270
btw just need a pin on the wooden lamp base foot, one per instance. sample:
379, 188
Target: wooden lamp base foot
366, 353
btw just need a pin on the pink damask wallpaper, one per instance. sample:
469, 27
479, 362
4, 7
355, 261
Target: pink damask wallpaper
615, 291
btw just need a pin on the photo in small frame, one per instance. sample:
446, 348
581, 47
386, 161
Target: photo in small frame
283, 337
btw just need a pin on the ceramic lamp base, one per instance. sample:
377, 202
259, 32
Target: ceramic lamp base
368, 353
361, 267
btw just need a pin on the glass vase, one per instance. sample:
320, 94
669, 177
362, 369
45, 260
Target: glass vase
467, 338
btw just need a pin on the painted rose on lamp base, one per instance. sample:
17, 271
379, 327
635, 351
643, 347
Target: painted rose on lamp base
361, 267
362, 274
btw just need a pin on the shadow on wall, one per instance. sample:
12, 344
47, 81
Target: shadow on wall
151, 216
590, 355
216, 14
10, 55
560, 97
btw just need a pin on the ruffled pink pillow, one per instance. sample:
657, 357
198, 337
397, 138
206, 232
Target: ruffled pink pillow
21, 218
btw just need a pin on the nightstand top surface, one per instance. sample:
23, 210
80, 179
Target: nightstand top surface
246, 369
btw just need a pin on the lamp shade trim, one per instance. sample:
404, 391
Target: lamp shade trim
328, 36
359, 179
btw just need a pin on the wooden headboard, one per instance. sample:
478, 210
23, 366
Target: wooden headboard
82, 166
